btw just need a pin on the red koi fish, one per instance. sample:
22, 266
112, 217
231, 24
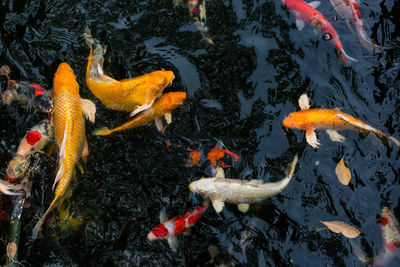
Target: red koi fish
169, 229
391, 241
327, 119
349, 10
306, 12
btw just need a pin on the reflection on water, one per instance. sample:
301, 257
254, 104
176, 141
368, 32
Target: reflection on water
239, 91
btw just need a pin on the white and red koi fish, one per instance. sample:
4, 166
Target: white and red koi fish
349, 10
391, 240
306, 12
35, 140
330, 120
169, 229
197, 9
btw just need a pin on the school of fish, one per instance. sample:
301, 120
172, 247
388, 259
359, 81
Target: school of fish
144, 98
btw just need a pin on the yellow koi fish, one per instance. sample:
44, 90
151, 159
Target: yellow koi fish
163, 106
69, 131
132, 95
327, 119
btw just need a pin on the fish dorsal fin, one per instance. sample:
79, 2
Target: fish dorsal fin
356, 123
314, 4
61, 157
219, 172
88, 109
163, 216
304, 102
140, 109
168, 117
299, 24
243, 207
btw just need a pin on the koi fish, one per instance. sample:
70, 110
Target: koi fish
306, 12
169, 229
30, 95
69, 130
197, 10
162, 107
4, 82
217, 156
220, 189
133, 95
327, 119
349, 10
391, 241
34, 141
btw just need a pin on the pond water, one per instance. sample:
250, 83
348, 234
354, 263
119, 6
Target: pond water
239, 91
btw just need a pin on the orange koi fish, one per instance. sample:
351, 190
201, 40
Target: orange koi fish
391, 241
162, 107
132, 95
306, 12
69, 131
327, 119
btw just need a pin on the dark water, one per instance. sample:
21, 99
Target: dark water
239, 91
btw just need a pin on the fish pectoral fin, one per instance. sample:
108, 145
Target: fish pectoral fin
335, 136
163, 216
299, 24
173, 243
314, 4
168, 117
159, 125
218, 204
304, 102
243, 207
311, 138
88, 109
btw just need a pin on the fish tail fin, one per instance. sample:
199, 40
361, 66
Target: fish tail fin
360, 254
88, 36
346, 59
290, 168
38, 226
102, 131
367, 43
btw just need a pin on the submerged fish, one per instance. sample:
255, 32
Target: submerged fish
162, 107
241, 192
306, 12
169, 229
4, 83
34, 141
69, 130
197, 9
391, 241
349, 10
132, 95
327, 119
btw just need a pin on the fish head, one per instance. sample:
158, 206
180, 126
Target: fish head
204, 186
42, 101
159, 232
64, 79
174, 99
295, 120
17, 167
161, 78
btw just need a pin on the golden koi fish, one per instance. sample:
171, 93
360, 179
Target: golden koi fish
69, 130
241, 192
327, 119
163, 106
132, 95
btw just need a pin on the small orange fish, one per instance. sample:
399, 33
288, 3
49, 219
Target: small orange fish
327, 119
69, 130
163, 106
132, 95
215, 155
